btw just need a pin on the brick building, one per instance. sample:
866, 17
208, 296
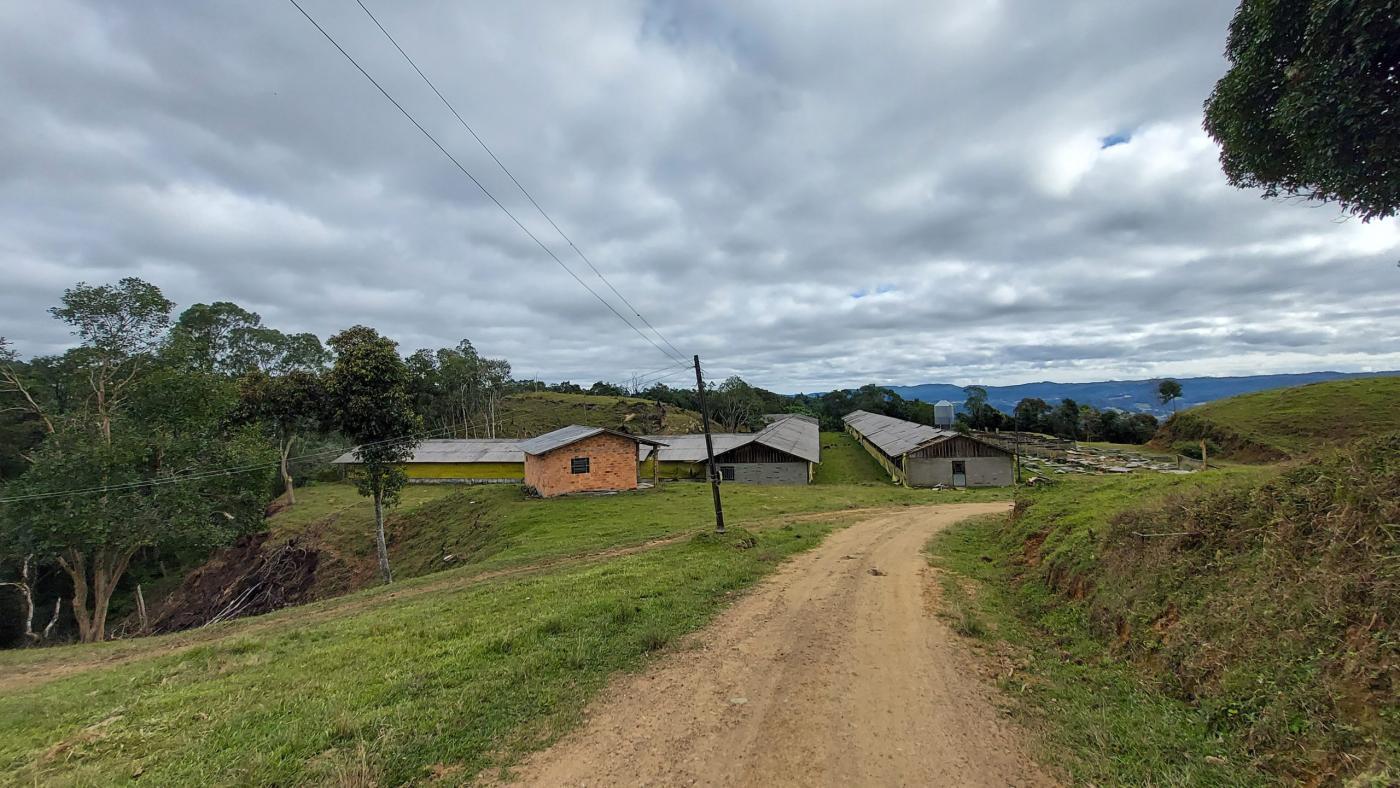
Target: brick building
582, 459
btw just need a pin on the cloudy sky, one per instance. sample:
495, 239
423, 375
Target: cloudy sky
988, 191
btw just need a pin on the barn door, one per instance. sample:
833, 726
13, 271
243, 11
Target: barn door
959, 473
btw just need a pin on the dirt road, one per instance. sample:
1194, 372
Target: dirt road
834, 671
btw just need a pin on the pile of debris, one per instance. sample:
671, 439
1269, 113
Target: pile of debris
1099, 462
246, 579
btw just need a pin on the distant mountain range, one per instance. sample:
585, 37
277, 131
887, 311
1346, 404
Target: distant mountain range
1134, 396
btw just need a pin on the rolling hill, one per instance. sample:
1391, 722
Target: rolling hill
1134, 396
1290, 422
529, 414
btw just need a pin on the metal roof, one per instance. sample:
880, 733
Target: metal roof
894, 437
548, 442
796, 436
457, 450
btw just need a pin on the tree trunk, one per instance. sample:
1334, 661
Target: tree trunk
289, 490
106, 571
26, 591
379, 541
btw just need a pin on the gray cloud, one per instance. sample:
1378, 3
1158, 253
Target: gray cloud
880, 191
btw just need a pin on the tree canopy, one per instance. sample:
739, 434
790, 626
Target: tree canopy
1308, 107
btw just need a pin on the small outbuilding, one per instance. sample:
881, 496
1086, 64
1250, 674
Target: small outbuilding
577, 459
918, 455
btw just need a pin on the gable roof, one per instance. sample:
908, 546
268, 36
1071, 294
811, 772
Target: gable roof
548, 442
456, 450
793, 435
894, 437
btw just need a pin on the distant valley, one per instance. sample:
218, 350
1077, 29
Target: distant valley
1133, 396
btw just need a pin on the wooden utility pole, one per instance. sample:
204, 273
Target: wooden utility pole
709, 448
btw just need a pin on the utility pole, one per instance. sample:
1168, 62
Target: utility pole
709, 448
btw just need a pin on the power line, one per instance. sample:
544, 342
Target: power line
679, 355
473, 179
214, 473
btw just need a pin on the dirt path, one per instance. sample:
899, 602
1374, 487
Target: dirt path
834, 671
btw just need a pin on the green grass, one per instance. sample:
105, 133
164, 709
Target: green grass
845, 462
449, 672
1251, 608
1094, 717
448, 683
1290, 422
533, 413
493, 526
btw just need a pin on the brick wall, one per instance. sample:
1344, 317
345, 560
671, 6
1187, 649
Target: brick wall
612, 465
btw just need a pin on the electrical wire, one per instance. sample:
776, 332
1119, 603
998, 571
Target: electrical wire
474, 180
516, 181
213, 473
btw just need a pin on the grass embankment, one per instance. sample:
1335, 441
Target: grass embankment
533, 413
493, 526
444, 674
1230, 627
845, 462
1289, 422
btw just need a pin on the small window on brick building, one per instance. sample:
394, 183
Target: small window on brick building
726, 472
578, 465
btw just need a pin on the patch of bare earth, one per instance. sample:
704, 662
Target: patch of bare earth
834, 671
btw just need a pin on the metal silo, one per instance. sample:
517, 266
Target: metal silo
943, 412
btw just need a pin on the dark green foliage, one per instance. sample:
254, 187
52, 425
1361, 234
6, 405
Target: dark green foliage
368, 400
1308, 107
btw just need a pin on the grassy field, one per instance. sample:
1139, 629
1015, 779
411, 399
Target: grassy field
1290, 422
533, 413
438, 676
493, 526
1228, 627
845, 462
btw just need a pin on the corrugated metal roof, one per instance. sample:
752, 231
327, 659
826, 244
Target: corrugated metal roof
458, 450
548, 442
796, 436
894, 437
691, 448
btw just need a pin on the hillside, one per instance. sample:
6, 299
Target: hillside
1289, 422
436, 678
1134, 396
529, 414
1232, 627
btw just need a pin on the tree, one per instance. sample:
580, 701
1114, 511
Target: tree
1308, 106
368, 400
99, 492
119, 325
736, 405
981, 415
289, 405
1065, 419
1168, 392
1031, 415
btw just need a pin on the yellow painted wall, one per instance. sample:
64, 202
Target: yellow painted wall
465, 470
671, 470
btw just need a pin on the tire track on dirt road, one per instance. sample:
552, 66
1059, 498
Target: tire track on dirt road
833, 671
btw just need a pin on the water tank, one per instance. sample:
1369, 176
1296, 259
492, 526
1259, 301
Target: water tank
943, 412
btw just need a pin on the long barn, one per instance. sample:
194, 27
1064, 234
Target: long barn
918, 455
784, 452
461, 461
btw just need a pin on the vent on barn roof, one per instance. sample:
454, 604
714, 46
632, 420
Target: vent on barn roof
943, 412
